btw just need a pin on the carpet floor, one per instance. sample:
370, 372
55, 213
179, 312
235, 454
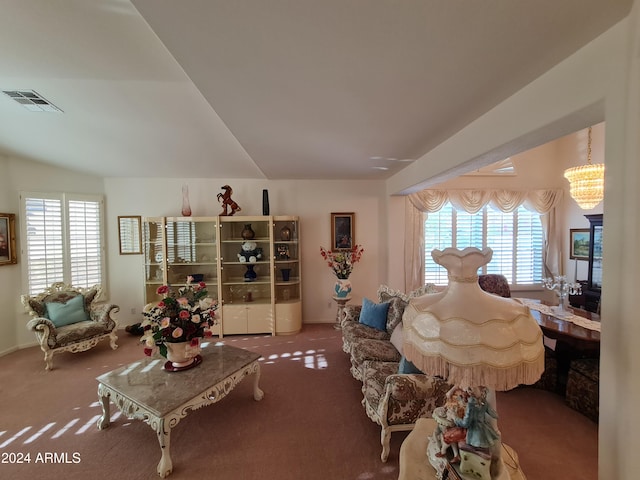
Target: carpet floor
310, 424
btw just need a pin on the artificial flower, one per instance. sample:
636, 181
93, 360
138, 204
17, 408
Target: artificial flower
342, 261
185, 315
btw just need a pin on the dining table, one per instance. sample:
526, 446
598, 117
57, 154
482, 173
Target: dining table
569, 334
574, 335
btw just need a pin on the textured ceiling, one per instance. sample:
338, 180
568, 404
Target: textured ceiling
278, 89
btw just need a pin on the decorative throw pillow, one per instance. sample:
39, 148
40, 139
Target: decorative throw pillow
67, 313
407, 367
394, 315
89, 297
385, 293
374, 314
397, 338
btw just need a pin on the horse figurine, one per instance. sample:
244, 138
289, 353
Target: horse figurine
227, 201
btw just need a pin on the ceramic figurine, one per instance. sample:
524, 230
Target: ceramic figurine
227, 202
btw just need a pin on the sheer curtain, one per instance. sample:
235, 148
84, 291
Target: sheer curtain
419, 204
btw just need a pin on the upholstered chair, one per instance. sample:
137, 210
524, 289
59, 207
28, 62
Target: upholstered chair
70, 319
495, 283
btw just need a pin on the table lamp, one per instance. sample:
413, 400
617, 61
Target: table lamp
480, 343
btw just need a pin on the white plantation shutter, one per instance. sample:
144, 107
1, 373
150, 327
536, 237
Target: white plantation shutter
64, 240
469, 230
45, 248
438, 233
516, 239
529, 247
500, 239
85, 242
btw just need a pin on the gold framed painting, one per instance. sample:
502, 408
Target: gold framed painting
342, 231
579, 243
8, 254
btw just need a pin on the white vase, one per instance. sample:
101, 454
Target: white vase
342, 288
181, 354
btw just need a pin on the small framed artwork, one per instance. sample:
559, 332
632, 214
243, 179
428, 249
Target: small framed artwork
130, 233
579, 243
342, 231
8, 254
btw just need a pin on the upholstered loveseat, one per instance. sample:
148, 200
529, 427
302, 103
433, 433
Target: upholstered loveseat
70, 319
392, 399
395, 394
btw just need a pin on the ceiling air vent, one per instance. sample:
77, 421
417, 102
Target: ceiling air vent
32, 100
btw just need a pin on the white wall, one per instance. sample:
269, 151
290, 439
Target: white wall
8, 273
312, 201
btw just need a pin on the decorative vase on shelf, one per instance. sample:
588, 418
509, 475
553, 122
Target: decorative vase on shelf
248, 233
285, 234
250, 275
342, 288
186, 207
181, 355
265, 202
285, 274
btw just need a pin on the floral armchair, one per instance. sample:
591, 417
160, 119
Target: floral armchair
70, 319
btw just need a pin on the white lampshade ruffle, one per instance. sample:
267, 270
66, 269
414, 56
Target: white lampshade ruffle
471, 337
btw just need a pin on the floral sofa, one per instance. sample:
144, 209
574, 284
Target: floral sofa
392, 399
70, 319
395, 394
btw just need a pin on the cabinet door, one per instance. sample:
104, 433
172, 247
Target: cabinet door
192, 251
234, 319
286, 260
175, 248
246, 265
154, 257
260, 318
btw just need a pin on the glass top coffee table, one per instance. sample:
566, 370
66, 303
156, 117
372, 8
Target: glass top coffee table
145, 391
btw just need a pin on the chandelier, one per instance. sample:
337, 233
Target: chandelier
586, 182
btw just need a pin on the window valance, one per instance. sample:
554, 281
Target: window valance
472, 201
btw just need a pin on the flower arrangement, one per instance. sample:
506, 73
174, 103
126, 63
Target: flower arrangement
185, 315
342, 261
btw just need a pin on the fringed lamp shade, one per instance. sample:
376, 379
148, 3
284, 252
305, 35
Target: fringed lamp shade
586, 182
471, 337
480, 343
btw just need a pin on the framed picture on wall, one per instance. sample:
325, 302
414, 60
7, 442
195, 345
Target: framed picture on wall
580, 238
8, 254
129, 232
342, 228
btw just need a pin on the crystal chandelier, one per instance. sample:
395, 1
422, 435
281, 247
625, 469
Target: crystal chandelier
586, 182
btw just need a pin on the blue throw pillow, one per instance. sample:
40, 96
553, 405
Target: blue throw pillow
407, 367
374, 314
67, 313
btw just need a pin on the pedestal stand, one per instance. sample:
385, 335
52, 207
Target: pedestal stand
341, 301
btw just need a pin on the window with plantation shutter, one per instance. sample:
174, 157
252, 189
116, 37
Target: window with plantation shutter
64, 243
516, 239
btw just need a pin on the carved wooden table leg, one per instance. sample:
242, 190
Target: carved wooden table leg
165, 466
103, 397
257, 393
